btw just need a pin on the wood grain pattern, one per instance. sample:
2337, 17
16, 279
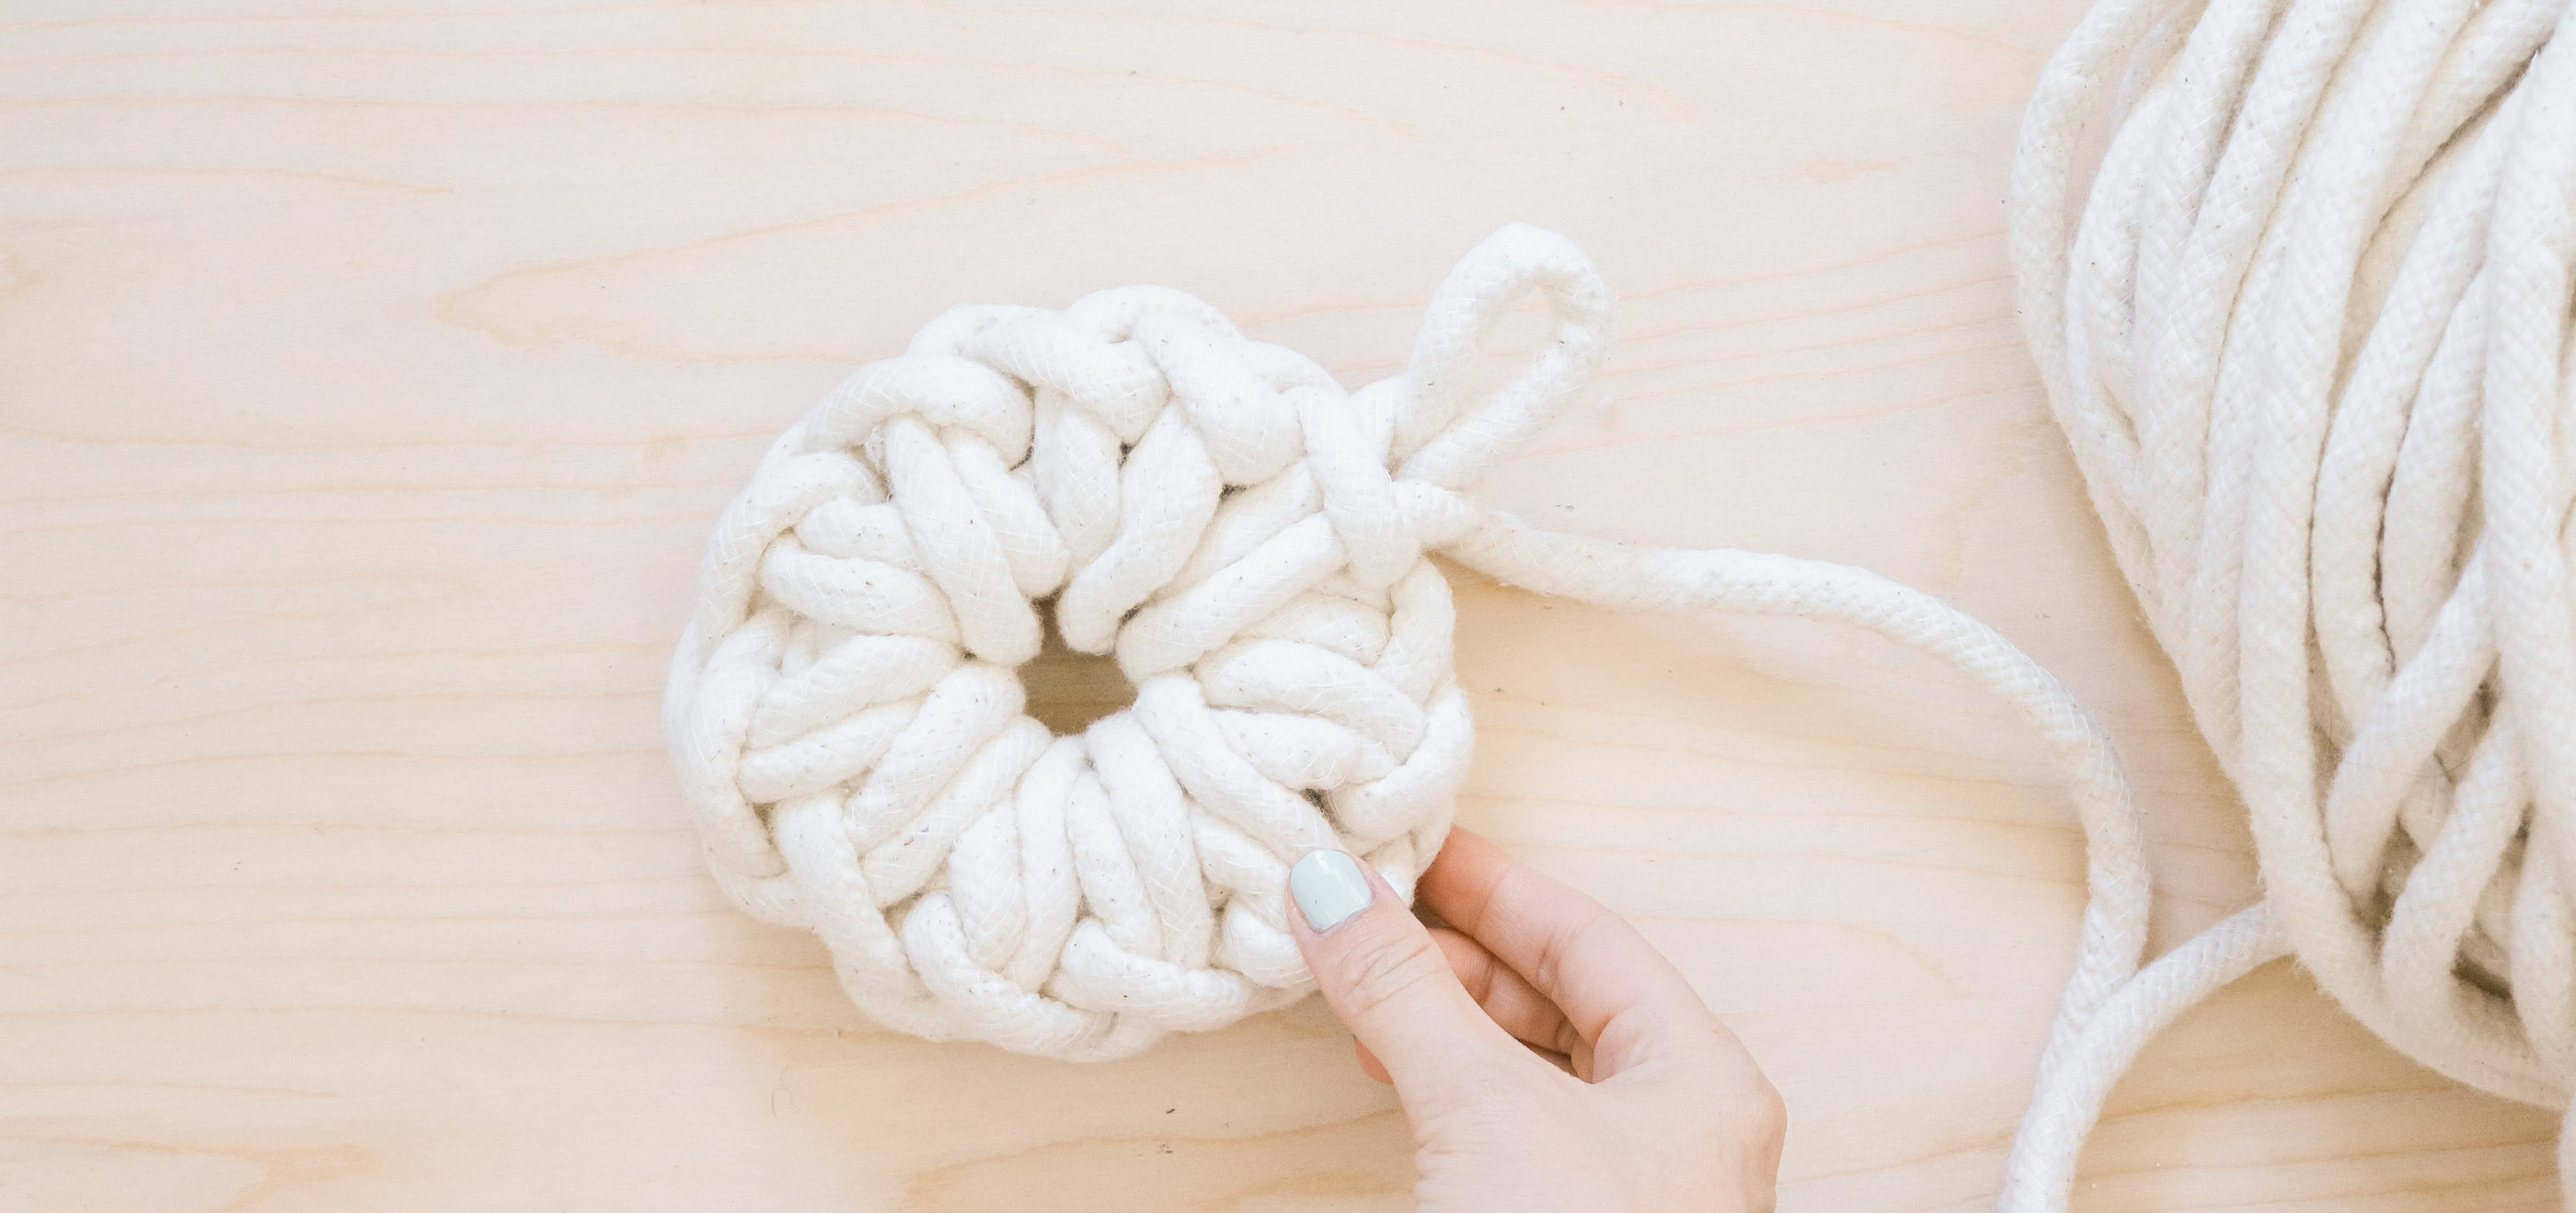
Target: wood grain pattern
375, 368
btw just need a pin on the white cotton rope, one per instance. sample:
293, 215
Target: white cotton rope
2309, 335
1251, 541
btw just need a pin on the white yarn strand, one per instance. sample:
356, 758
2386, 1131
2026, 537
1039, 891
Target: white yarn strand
1251, 542
2308, 335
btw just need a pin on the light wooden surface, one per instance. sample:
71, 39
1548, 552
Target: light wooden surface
373, 371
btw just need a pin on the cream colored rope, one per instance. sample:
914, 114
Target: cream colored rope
2307, 331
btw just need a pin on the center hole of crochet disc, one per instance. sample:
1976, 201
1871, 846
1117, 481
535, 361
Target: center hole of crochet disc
1502, 351
1068, 690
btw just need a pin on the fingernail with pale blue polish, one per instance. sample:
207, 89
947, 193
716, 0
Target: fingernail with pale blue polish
1329, 887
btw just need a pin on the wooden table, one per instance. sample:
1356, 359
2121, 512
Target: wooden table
374, 371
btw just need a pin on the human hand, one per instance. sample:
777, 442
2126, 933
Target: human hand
1548, 1057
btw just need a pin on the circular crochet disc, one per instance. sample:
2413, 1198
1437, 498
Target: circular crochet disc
1243, 534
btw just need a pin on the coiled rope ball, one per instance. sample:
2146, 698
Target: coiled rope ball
2309, 336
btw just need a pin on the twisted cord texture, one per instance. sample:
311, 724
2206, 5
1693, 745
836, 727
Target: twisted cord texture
2308, 334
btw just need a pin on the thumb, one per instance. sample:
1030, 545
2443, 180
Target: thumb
1387, 980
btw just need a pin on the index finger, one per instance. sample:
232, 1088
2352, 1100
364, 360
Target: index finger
1617, 991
